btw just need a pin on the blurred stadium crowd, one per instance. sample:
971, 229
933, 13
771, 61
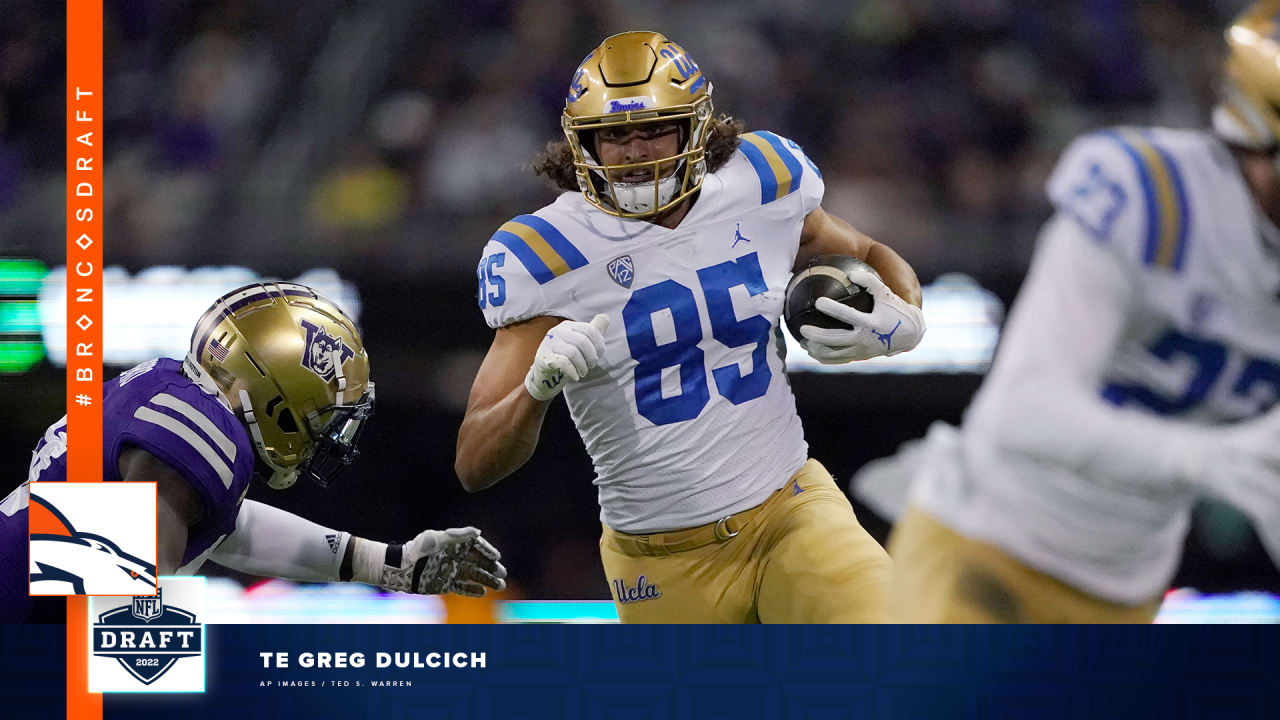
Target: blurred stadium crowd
388, 140
397, 133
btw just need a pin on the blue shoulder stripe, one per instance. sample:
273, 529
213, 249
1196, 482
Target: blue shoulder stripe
1172, 257
788, 159
777, 168
1168, 217
545, 252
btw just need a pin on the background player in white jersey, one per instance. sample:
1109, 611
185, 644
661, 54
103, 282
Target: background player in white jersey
277, 382
1139, 371
650, 293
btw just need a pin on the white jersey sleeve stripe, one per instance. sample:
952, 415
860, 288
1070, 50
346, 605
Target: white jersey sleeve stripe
197, 443
16, 501
201, 421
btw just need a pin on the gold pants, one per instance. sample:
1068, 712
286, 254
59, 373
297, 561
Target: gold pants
941, 576
800, 557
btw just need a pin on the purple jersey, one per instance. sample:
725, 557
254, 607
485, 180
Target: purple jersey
155, 407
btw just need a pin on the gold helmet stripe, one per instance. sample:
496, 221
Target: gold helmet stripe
778, 169
1167, 211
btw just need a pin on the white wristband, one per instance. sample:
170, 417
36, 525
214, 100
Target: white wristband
368, 559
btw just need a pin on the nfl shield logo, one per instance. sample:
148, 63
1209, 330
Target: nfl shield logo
622, 270
148, 608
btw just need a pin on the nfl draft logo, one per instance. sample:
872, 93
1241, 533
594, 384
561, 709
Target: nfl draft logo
318, 355
149, 644
622, 270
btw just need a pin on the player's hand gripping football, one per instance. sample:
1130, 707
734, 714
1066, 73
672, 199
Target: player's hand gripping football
893, 325
569, 351
435, 562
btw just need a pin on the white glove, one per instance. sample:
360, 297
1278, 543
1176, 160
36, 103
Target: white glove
1239, 464
435, 562
893, 325
570, 350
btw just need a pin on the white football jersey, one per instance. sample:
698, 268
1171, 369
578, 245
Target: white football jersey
1153, 290
689, 417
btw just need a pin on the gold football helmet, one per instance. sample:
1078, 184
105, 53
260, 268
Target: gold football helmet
293, 367
630, 79
1249, 111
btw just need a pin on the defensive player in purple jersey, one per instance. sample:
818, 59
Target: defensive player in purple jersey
276, 384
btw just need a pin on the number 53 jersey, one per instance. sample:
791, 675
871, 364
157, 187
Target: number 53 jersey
689, 417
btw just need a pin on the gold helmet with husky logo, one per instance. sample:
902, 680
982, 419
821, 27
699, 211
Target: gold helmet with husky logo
1248, 113
632, 79
293, 367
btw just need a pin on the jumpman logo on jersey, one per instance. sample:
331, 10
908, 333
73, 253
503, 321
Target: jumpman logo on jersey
795, 488
737, 235
887, 338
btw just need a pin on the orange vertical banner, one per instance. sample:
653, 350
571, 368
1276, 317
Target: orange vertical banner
84, 304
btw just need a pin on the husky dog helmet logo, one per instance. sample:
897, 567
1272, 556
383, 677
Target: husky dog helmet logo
62, 556
318, 354
622, 270
147, 637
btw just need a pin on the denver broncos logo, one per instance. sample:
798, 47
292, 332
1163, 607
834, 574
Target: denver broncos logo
65, 561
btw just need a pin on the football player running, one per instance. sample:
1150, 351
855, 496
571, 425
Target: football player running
649, 293
1139, 371
277, 382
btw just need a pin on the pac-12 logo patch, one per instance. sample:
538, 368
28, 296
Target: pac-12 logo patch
92, 538
318, 355
622, 270
149, 644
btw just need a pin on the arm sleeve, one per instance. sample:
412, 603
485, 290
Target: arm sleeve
1043, 398
270, 542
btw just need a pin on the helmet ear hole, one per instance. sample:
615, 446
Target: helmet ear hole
287, 422
271, 404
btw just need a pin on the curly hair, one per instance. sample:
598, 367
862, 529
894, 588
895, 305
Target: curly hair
556, 161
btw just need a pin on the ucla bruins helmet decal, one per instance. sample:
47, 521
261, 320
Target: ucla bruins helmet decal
1248, 113
293, 367
631, 79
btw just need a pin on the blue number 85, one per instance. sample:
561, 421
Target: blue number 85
683, 352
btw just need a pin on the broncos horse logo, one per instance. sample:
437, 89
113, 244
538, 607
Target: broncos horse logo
65, 561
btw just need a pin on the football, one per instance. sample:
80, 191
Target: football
824, 276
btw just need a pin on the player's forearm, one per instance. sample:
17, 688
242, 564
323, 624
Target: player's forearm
271, 542
494, 441
895, 272
1082, 433
824, 234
